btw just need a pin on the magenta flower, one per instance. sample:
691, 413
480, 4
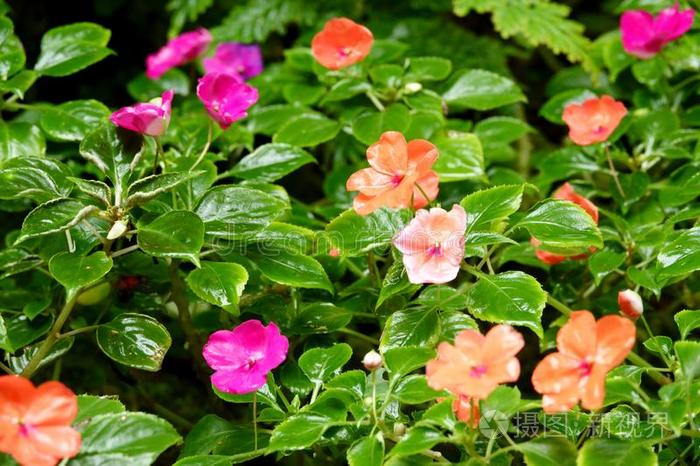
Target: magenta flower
433, 244
644, 35
236, 59
178, 51
225, 97
151, 118
242, 357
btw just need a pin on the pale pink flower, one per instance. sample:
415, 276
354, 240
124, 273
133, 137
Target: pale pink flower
244, 61
225, 97
178, 51
433, 244
242, 357
644, 35
151, 118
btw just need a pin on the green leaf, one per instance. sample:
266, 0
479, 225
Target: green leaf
18, 331
482, 90
268, 120
53, 217
319, 364
395, 283
176, 234
604, 262
20, 139
369, 126
403, 360
90, 406
514, 298
136, 439
553, 109
95, 189
135, 340
345, 89
488, 206
681, 256
149, 187
611, 452
292, 268
143, 89
354, 234
75, 271
428, 69
501, 129
320, 318
35, 178
234, 212
416, 440
219, 283
545, 451
20, 362
298, 432
307, 130
72, 121
217, 436
687, 321
688, 353
12, 57
271, 162
414, 389
410, 328
115, 152
19, 83
561, 225
461, 157
70, 48
367, 451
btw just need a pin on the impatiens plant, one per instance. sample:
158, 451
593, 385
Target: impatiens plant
371, 233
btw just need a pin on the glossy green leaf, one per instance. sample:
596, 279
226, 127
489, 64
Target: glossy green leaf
136, 439
488, 206
135, 340
410, 328
416, 440
681, 256
292, 268
18, 331
299, 432
482, 90
35, 178
90, 406
514, 298
543, 451
553, 109
307, 130
268, 120
53, 217
501, 129
368, 451
20, 139
271, 162
414, 389
368, 127
319, 364
75, 271
687, 321
461, 157
70, 48
215, 435
219, 283
176, 234
602, 263
143, 89
353, 234
395, 282
403, 360
611, 452
20, 361
688, 353
235, 212
19, 83
95, 189
72, 121
12, 57
428, 69
149, 187
320, 318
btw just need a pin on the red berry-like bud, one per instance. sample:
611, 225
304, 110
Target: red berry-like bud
630, 304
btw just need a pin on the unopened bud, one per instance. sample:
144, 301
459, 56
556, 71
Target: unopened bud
372, 360
118, 228
630, 304
412, 88
399, 429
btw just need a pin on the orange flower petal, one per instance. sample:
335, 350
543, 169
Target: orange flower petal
594, 120
422, 155
58, 441
428, 184
616, 336
593, 394
369, 181
501, 344
15, 395
341, 43
467, 410
471, 343
389, 155
26, 453
53, 404
556, 373
577, 337
560, 402
566, 193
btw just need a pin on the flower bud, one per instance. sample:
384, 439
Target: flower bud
630, 304
412, 88
399, 429
118, 229
372, 360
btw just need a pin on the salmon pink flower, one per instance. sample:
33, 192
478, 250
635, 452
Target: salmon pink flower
588, 350
400, 175
433, 244
467, 410
644, 35
244, 61
226, 98
242, 357
566, 193
630, 304
341, 43
151, 118
594, 120
476, 364
178, 51
35, 422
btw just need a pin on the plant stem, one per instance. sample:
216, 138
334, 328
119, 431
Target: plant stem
370, 95
637, 360
51, 338
159, 154
6, 369
204, 150
359, 335
613, 171
558, 305
89, 328
125, 250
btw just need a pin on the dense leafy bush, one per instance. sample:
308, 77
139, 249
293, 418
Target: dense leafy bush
254, 263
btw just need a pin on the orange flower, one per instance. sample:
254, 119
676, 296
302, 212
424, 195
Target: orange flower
594, 120
35, 421
588, 350
399, 175
341, 43
477, 363
467, 410
566, 193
